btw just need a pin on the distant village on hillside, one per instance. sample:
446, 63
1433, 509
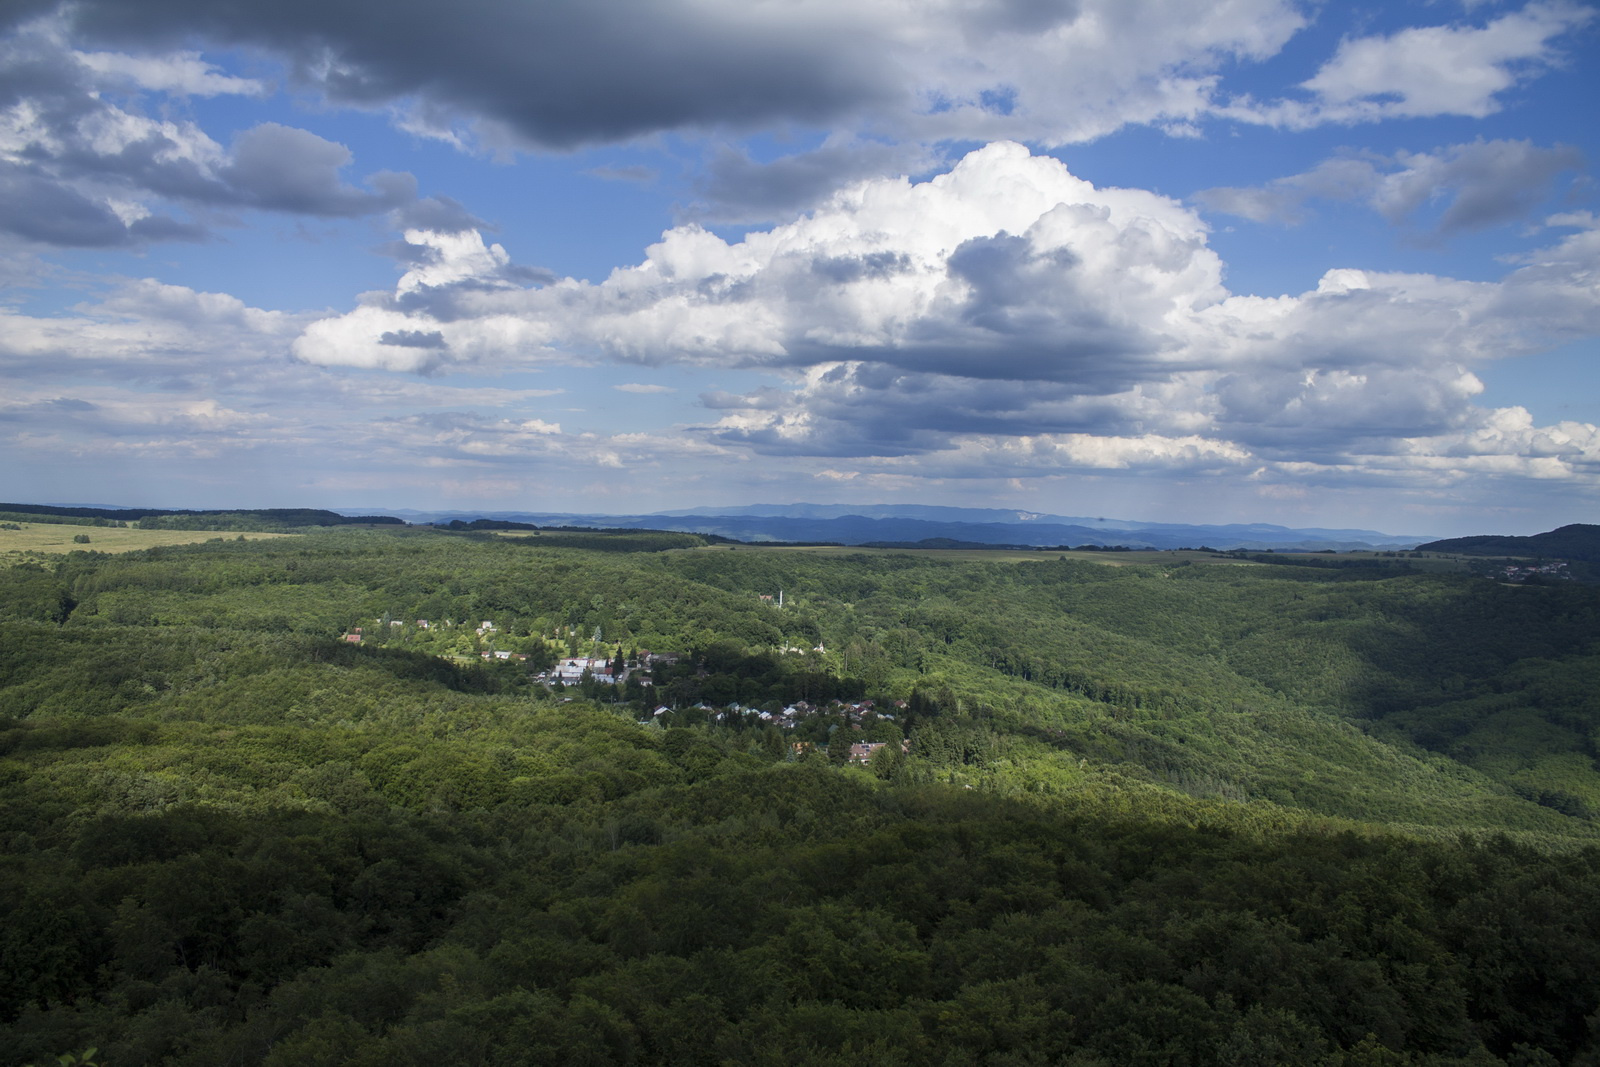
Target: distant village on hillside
636, 671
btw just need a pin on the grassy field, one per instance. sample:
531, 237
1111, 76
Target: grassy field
55, 538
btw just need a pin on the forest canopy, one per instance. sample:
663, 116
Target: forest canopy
325, 799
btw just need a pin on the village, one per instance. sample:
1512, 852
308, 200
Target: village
634, 673
1522, 572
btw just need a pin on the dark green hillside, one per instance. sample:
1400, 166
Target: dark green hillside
1163, 814
1577, 541
251, 520
1278, 683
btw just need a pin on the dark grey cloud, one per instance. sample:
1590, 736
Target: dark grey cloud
736, 188
45, 211
413, 339
1455, 189
1286, 199
1334, 414
76, 150
1028, 315
1019, 16
154, 228
1002, 274
557, 74
1090, 353
1486, 183
31, 69
440, 214
527, 274
843, 270
48, 413
873, 409
407, 254
280, 168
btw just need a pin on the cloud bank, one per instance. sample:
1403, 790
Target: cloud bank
869, 274
557, 75
1009, 309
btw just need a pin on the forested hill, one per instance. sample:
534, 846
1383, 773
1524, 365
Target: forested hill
1576, 542
158, 518
313, 800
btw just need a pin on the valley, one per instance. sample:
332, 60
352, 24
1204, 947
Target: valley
1187, 808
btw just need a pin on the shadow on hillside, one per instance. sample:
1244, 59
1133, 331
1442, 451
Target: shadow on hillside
412, 666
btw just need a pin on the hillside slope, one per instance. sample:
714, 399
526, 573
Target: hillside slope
1147, 814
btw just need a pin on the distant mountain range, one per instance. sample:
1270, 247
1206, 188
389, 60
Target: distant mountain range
902, 525
863, 524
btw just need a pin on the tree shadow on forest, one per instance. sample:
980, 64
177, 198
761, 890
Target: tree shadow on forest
411, 666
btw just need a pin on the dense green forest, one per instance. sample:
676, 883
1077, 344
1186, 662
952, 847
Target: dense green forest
292, 802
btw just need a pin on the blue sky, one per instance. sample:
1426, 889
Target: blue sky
1254, 260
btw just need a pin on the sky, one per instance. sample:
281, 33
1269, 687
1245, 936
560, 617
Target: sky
1318, 264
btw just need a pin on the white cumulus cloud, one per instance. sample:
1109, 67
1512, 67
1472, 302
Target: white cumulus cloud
1425, 71
1011, 303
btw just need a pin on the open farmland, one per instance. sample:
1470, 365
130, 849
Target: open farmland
55, 538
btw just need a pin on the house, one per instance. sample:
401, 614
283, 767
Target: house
862, 751
571, 670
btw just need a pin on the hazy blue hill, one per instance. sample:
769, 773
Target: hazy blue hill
1577, 541
938, 513
907, 524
